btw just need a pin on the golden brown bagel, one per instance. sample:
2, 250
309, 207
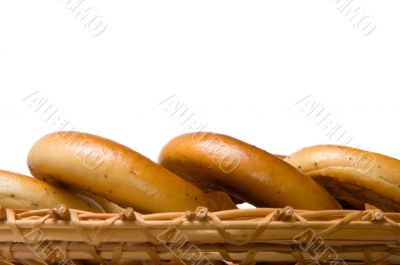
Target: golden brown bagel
350, 173
109, 169
219, 162
22, 192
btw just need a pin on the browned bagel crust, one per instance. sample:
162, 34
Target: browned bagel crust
220, 162
109, 169
22, 192
352, 173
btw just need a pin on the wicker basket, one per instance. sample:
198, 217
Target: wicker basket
245, 236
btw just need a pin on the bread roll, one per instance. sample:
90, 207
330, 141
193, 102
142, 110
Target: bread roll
109, 169
219, 162
352, 174
22, 192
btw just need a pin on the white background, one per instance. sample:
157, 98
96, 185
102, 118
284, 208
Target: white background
238, 66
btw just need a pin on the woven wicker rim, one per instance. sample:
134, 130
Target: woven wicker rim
244, 236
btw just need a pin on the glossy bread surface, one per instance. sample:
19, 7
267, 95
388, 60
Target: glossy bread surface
352, 174
22, 192
220, 162
109, 169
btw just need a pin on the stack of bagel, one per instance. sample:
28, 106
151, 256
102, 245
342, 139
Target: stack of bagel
91, 173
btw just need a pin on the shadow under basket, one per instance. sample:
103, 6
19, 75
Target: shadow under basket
242, 236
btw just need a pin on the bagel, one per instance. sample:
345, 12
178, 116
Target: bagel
106, 168
22, 192
219, 162
352, 174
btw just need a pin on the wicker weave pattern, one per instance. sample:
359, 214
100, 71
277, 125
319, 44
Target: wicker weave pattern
241, 236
